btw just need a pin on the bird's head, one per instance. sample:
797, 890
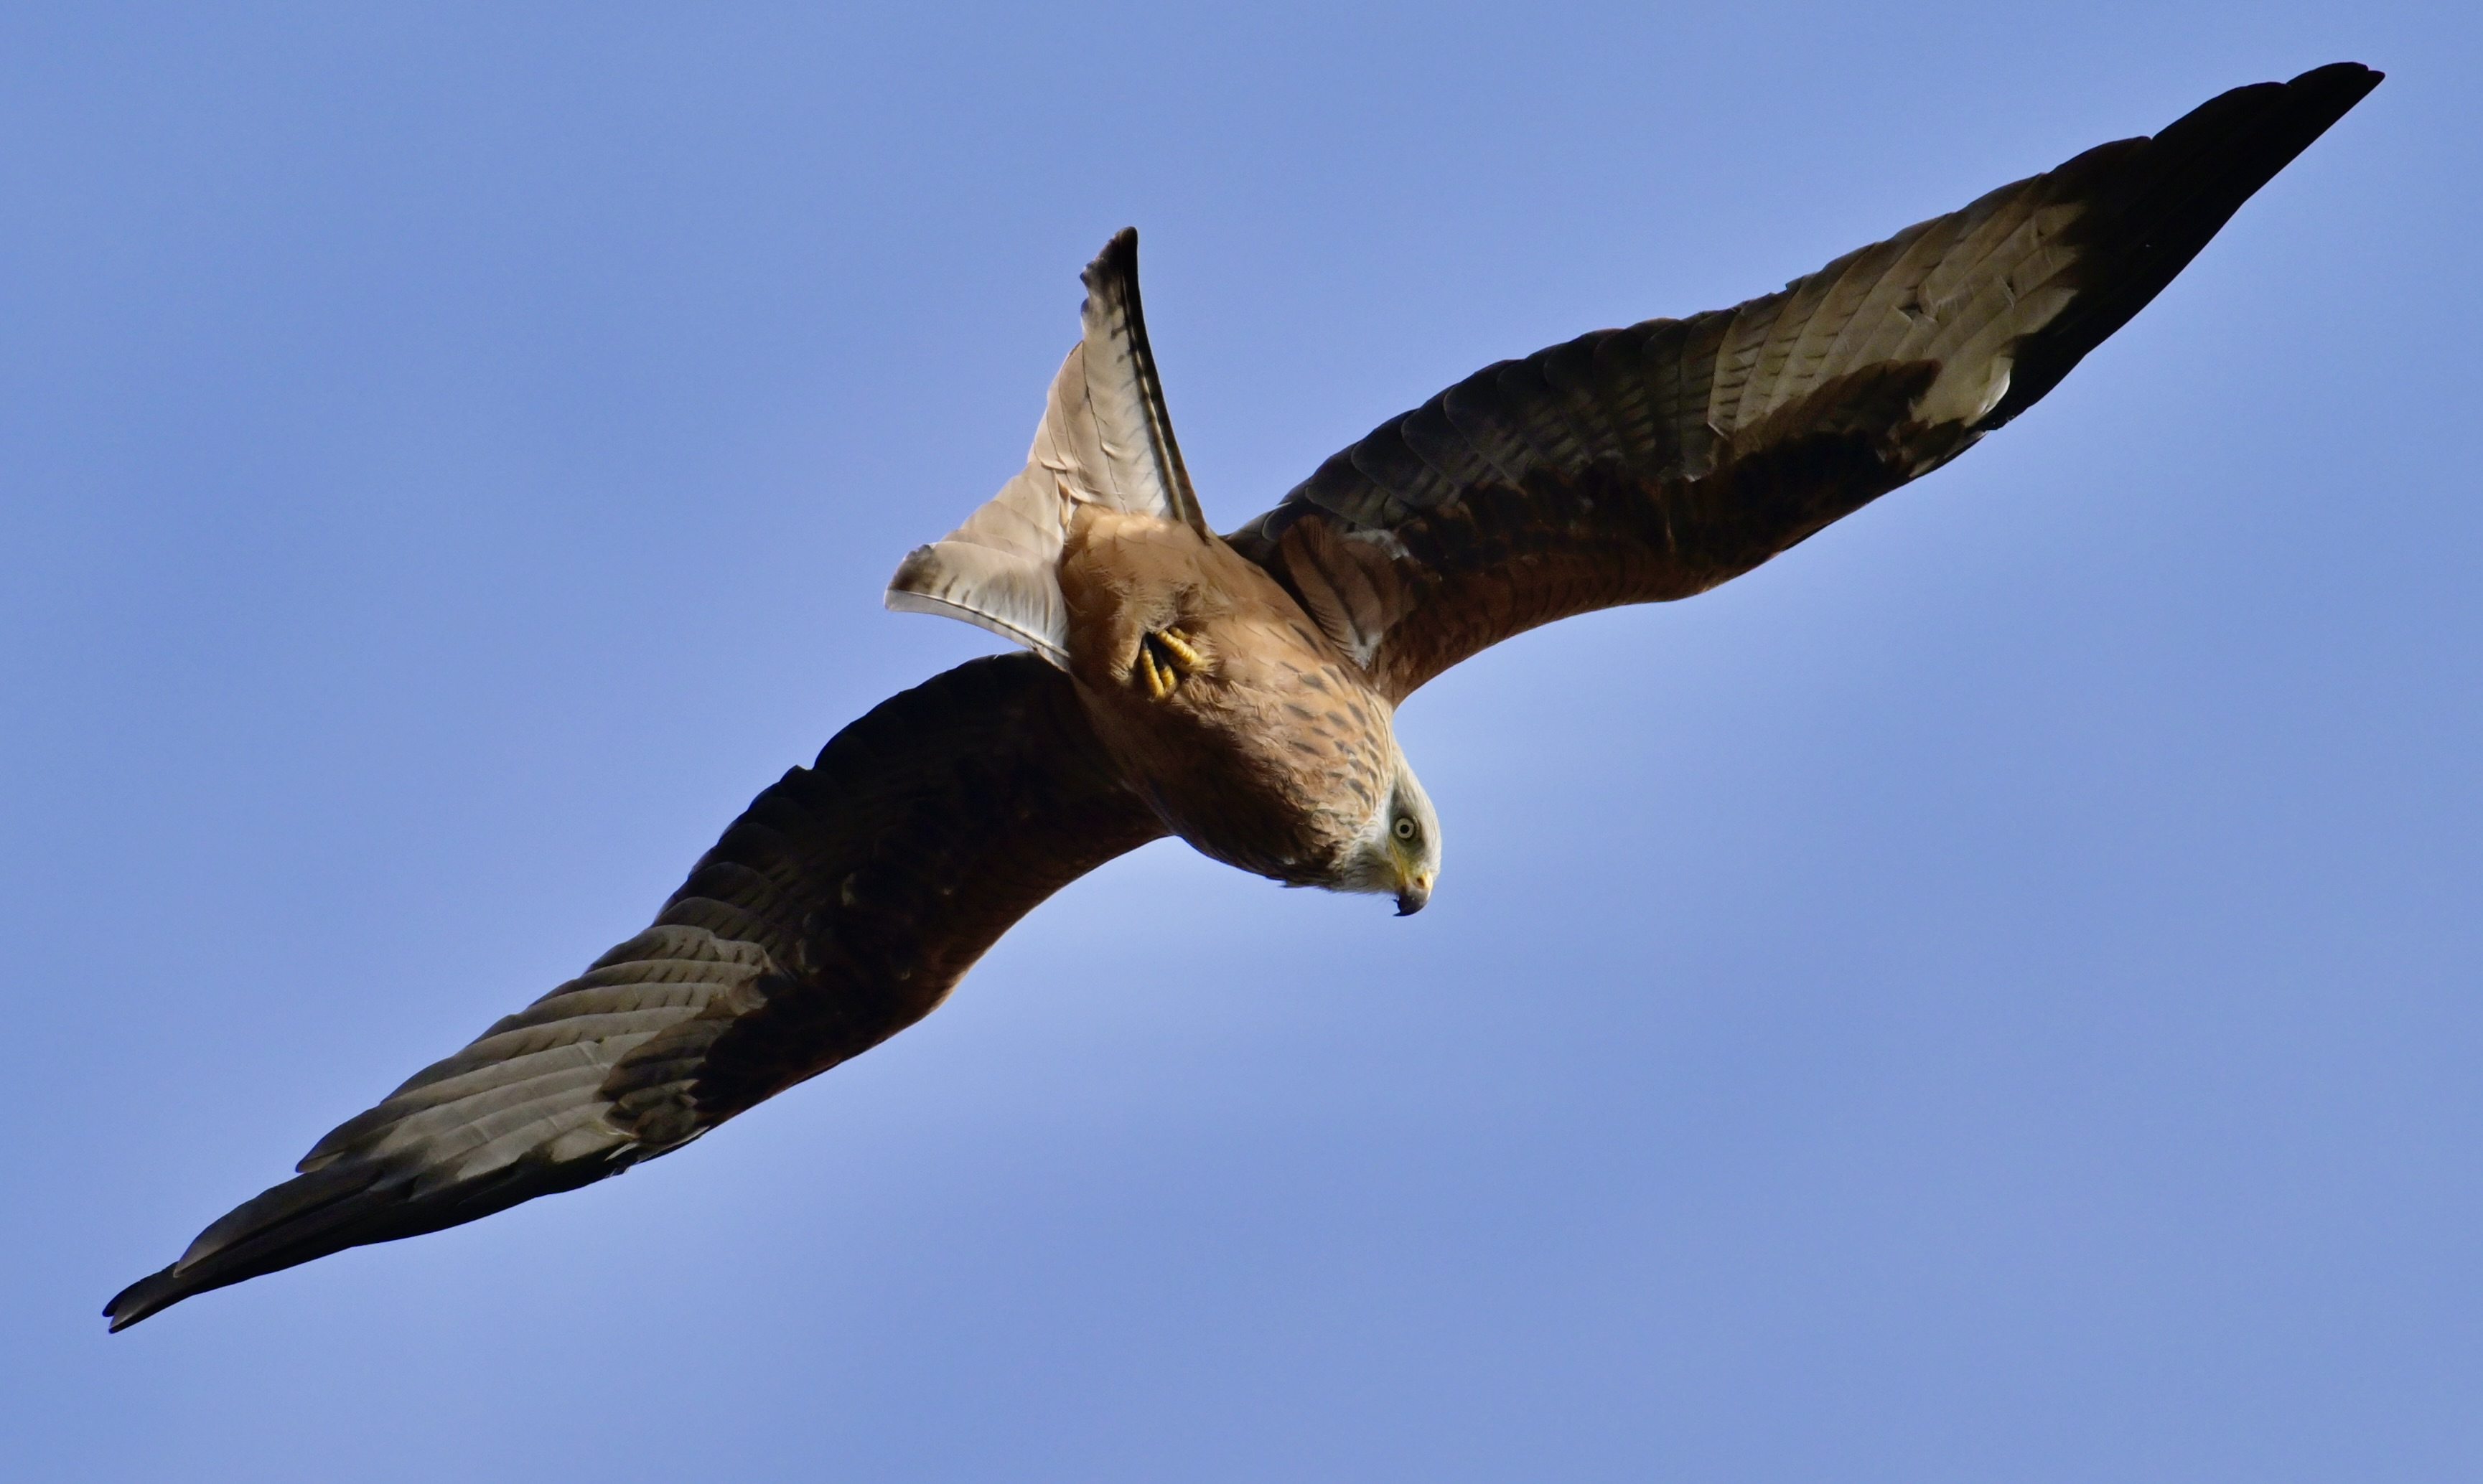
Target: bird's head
1398, 849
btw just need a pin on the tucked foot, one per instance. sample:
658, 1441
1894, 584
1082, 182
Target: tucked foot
1181, 652
1165, 657
1157, 679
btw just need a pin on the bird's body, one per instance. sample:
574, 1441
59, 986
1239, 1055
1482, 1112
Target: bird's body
1239, 691
1237, 721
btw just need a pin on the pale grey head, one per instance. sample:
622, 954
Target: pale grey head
1397, 852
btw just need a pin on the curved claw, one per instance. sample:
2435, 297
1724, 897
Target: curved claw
1157, 679
1165, 657
1184, 654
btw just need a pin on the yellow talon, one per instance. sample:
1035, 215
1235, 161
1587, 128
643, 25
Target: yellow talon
1159, 684
1178, 646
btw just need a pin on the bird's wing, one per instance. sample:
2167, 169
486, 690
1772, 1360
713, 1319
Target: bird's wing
1640, 464
841, 908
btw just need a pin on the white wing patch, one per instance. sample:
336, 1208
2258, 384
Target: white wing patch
1961, 289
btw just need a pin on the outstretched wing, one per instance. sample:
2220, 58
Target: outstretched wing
841, 908
1653, 463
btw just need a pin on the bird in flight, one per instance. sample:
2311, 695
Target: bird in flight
1238, 690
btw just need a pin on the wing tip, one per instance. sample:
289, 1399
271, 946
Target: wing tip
2158, 202
151, 1294
2357, 77
352, 1203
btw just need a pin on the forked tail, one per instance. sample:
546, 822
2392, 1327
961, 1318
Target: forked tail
1105, 440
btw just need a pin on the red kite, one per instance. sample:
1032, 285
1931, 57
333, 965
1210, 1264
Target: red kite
1238, 690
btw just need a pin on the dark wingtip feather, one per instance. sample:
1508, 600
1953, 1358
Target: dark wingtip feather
329, 1209
2153, 204
148, 1294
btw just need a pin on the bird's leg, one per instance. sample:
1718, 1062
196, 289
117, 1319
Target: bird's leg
1157, 679
1183, 653
1165, 657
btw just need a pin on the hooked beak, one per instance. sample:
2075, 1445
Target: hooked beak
1411, 897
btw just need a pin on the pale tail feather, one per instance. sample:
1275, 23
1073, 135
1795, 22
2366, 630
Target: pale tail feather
1105, 440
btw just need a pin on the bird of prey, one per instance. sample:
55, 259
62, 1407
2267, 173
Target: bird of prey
1238, 690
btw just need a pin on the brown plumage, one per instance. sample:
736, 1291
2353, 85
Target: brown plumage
1238, 692
1254, 738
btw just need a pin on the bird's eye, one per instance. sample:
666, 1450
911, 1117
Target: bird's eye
1405, 828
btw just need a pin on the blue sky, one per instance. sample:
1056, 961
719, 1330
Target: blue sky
1991, 994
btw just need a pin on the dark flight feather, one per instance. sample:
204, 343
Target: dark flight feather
841, 908
1653, 463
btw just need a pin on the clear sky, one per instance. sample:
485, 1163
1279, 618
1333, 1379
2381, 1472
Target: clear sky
1992, 994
